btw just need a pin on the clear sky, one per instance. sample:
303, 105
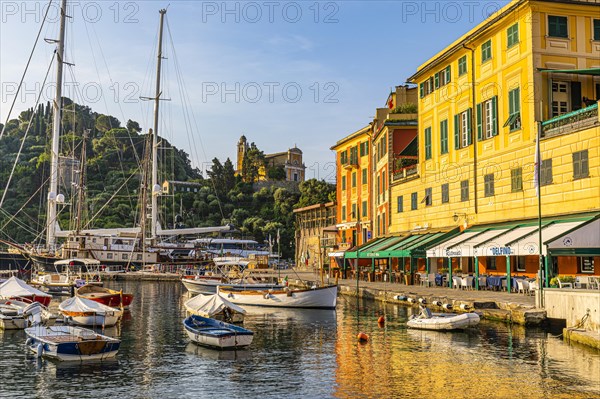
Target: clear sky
282, 73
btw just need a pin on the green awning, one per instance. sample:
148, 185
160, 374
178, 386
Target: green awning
410, 245
588, 71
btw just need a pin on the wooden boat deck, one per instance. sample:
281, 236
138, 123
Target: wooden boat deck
67, 338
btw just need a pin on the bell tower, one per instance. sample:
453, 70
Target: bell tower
242, 147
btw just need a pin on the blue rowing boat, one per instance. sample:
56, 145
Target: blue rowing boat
216, 334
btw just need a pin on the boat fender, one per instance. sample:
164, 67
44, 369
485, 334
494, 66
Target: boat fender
436, 303
400, 298
289, 293
464, 306
422, 300
381, 320
29, 341
447, 306
39, 350
362, 337
411, 300
230, 295
267, 295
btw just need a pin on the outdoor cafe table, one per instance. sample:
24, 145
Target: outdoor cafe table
495, 282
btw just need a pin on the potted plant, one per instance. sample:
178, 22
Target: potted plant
457, 270
443, 270
553, 282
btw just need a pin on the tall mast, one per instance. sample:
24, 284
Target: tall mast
57, 108
155, 187
81, 185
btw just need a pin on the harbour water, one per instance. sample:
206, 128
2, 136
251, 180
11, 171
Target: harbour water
306, 354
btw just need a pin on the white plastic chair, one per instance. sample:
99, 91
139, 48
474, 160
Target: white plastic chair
593, 283
523, 286
456, 282
466, 283
533, 285
563, 285
482, 283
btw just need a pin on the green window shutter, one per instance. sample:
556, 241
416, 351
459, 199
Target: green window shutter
479, 123
511, 99
495, 116
428, 143
448, 74
469, 126
421, 90
456, 132
436, 80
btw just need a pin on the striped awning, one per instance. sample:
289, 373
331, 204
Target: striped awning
409, 244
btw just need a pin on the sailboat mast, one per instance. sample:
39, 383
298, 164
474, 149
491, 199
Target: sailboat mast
155, 187
57, 108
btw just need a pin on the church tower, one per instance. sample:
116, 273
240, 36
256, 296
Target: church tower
242, 147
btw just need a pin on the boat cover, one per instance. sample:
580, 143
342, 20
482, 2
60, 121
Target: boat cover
14, 287
78, 304
210, 305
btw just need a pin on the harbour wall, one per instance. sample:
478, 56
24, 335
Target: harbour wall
579, 308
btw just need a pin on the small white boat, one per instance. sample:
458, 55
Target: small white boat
11, 316
442, 321
70, 343
216, 334
17, 315
15, 288
215, 307
209, 284
309, 298
85, 312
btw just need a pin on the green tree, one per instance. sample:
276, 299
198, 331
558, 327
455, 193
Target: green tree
254, 161
315, 191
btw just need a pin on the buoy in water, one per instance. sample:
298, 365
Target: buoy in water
381, 320
362, 337
40, 350
436, 303
447, 306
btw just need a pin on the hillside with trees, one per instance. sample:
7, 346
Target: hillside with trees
113, 177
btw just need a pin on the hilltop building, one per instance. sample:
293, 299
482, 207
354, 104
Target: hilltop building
290, 161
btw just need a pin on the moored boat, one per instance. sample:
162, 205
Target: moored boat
443, 321
215, 307
84, 312
216, 334
68, 343
15, 288
209, 284
324, 297
105, 296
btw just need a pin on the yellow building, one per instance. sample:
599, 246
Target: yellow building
471, 201
394, 148
353, 180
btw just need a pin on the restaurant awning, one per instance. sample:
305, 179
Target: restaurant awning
583, 240
514, 239
588, 71
410, 244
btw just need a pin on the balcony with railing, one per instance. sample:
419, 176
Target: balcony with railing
571, 122
350, 162
404, 167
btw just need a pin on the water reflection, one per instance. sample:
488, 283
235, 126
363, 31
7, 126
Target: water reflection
306, 354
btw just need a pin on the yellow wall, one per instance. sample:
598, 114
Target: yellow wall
507, 69
353, 195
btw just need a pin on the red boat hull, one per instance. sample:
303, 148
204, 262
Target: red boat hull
112, 300
44, 300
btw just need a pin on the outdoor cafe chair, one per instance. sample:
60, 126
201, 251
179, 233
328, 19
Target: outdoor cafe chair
563, 285
456, 282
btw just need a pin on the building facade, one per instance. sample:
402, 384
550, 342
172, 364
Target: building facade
289, 161
315, 235
353, 188
502, 176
